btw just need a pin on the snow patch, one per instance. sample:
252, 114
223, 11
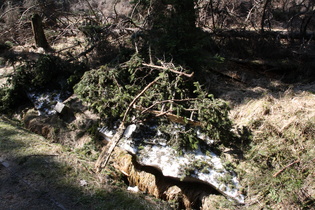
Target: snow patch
44, 102
129, 130
206, 167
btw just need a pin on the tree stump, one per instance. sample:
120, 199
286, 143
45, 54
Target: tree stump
38, 31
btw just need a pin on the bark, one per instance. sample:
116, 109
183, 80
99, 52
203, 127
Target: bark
262, 23
38, 31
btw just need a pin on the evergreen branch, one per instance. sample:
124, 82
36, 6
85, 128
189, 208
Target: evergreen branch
138, 96
105, 154
169, 101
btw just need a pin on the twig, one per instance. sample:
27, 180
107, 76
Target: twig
9, 10
138, 96
73, 46
168, 101
20, 20
93, 11
101, 163
172, 117
287, 166
134, 8
172, 70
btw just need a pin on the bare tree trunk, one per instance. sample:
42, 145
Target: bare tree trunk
38, 31
305, 23
262, 23
212, 15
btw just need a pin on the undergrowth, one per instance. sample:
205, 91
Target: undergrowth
48, 72
279, 168
110, 90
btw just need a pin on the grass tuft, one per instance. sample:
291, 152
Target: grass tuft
279, 167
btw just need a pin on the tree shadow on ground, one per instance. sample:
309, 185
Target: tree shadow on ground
33, 177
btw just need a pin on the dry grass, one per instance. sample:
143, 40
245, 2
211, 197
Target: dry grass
283, 132
63, 174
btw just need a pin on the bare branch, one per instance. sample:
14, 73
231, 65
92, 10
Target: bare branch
169, 101
138, 96
172, 117
165, 68
287, 166
101, 163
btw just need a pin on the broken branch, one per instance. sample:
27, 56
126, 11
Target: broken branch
287, 166
169, 101
138, 96
172, 117
165, 68
105, 154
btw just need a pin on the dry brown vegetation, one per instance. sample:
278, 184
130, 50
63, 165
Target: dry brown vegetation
278, 169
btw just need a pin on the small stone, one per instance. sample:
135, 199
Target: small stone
59, 107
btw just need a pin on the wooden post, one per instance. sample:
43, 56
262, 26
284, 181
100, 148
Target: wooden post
38, 31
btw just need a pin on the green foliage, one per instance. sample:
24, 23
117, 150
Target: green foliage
103, 90
109, 91
7, 98
47, 72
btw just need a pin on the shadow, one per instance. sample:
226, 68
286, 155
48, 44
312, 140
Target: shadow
33, 179
223, 60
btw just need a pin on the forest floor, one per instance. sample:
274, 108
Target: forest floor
37, 174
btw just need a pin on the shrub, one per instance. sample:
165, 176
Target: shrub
109, 92
46, 73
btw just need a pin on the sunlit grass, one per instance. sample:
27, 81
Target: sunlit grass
278, 170
68, 177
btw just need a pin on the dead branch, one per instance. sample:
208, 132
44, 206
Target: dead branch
84, 53
138, 96
287, 166
169, 101
106, 153
172, 117
67, 48
228, 76
93, 11
165, 68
